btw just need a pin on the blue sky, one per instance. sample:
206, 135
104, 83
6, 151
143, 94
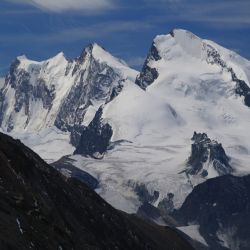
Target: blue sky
126, 28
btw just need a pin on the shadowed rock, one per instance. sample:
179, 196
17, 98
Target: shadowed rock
206, 153
95, 138
148, 74
221, 206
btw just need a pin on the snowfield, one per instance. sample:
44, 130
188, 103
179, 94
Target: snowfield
191, 93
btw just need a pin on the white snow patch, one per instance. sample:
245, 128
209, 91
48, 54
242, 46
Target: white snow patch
227, 239
51, 143
19, 225
103, 56
194, 233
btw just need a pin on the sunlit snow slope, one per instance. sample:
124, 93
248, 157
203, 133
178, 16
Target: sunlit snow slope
190, 85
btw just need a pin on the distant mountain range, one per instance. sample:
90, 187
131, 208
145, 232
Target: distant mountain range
142, 140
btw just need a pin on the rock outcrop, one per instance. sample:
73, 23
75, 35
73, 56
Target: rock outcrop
207, 154
95, 138
221, 208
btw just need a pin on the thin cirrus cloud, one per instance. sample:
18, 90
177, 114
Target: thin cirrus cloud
69, 5
225, 14
76, 34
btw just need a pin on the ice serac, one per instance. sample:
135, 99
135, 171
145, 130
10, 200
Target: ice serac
60, 93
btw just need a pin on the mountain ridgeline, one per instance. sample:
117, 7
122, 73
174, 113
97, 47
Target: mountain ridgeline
149, 73
67, 93
61, 91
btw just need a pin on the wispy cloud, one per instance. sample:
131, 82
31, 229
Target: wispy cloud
101, 30
69, 5
223, 13
19, 12
70, 35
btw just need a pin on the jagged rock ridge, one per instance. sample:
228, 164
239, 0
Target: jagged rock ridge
207, 153
148, 74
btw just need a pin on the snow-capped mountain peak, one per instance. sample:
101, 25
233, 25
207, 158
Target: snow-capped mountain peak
100, 54
103, 56
187, 84
184, 60
60, 93
187, 41
22, 57
27, 64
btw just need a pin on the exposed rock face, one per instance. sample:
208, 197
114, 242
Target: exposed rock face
166, 206
148, 211
151, 213
95, 138
148, 74
222, 209
144, 195
241, 87
98, 82
25, 91
205, 154
40, 209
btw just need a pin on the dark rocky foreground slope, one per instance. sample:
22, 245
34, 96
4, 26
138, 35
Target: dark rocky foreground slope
41, 209
221, 206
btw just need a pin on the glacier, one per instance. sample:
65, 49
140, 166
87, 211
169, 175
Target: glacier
187, 84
